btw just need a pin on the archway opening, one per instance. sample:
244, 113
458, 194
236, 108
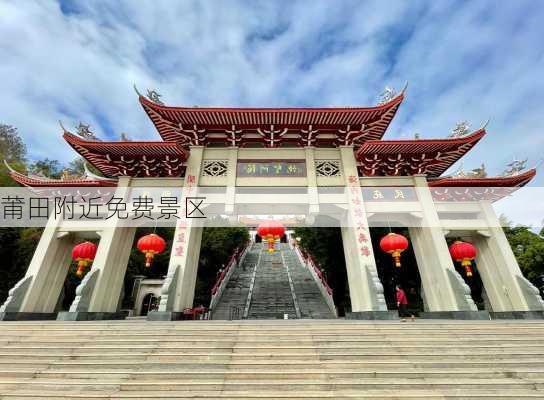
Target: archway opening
407, 275
474, 282
72, 280
136, 269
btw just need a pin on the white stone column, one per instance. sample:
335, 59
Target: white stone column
313, 196
508, 290
39, 290
188, 269
100, 289
230, 194
366, 290
178, 289
444, 288
110, 264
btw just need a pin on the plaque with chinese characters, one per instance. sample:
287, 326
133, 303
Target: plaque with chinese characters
267, 168
389, 194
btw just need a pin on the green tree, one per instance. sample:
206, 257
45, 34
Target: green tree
12, 150
76, 167
46, 167
528, 248
218, 244
325, 245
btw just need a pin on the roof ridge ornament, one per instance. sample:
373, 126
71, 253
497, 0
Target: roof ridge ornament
461, 129
515, 167
85, 132
154, 96
473, 173
387, 95
66, 176
137, 91
460, 172
64, 130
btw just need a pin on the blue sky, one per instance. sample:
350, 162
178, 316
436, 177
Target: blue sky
77, 61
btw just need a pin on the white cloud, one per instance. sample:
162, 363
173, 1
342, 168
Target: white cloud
470, 60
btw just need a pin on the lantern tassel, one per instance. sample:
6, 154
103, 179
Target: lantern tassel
149, 258
81, 265
80, 269
467, 264
396, 257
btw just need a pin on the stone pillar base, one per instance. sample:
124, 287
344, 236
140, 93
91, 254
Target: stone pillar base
90, 316
517, 315
373, 315
26, 316
164, 316
474, 315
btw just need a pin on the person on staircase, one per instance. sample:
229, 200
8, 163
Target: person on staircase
402, 304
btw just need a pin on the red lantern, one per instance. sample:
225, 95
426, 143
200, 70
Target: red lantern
277, 229
84, 254
263, 230
394, 244
464, 253
270, 231
150, 245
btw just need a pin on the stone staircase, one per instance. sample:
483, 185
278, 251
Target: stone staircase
309, 298
233, 300
282, 285
272, 295
299, 359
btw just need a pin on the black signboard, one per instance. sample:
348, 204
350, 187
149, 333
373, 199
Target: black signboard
271, 168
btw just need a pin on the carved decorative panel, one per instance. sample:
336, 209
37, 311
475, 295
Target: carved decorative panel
215, 168
328, 168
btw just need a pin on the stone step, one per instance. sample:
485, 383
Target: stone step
339, 326
466, 394
271, 360
257, 386
284, 376
273, 357
373, 365
269, 337
329, 343
241, 347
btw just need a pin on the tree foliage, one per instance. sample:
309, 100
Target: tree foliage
528, 248
46, 167
325, 245
218, 244
12, 150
